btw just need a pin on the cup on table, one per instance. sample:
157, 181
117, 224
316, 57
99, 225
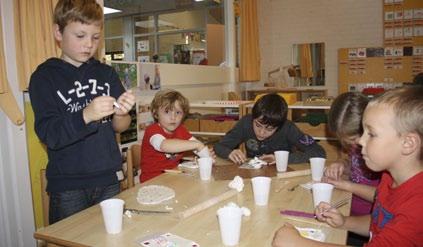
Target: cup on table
317, 168
205, 165
261, 188
112, 210
230, 224
322, 192
281, 158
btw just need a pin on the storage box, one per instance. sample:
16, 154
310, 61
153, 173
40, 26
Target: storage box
192, 124
207, 125
290, 98
315, 131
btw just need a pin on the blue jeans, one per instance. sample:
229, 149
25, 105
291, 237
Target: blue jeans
66, 203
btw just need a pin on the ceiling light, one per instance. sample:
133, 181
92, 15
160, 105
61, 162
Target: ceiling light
108, 10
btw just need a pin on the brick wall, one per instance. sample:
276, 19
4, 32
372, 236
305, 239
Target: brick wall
337, 23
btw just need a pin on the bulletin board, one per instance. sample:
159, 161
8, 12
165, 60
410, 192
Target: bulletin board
377, 65
403, 22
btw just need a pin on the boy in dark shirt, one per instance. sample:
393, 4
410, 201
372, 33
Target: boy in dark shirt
267, 130
73, 99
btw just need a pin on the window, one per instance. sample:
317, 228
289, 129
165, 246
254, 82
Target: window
167, 36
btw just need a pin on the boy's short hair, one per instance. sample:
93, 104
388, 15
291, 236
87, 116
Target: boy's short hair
271, 110
167, 99
83, 11
345, 115
407, 104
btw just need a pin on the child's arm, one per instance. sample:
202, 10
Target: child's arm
161, 144
336, 169
230, 141
356, 224
364, 191
306, 145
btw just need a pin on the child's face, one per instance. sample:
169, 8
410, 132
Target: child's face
262, 131
170, 119
381, 142
78, 41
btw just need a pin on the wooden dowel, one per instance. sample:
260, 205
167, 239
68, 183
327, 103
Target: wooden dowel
294, 173
206, 204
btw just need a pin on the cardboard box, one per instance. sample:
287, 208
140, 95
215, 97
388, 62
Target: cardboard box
216, 126
192, 124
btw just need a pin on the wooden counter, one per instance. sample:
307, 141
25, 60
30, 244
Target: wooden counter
87, 229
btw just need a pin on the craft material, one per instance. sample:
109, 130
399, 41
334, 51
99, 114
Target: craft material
166, 239
297, 213
338, 204
228, 172
142, 211
206, 204
117, 105
154, 194
311, 233
291, 174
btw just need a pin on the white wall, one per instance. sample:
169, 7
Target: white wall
16, 213
339, 24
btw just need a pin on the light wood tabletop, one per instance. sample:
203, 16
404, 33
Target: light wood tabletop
86, 228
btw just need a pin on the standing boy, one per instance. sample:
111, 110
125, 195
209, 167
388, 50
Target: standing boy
391, 143
265, 131
73, 100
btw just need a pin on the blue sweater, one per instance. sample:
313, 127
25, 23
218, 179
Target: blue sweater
79, 155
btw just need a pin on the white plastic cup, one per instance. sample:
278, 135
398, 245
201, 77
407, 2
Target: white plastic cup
112, 210
261, 188
322, 192
230, 224
205, 165
281, 158
204, 152
317, 168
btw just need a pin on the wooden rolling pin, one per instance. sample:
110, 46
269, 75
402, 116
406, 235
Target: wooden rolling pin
206, 204
294, 173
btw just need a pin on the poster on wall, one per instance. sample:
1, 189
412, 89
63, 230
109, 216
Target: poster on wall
150, 76
143, 45
128, 73
143, 59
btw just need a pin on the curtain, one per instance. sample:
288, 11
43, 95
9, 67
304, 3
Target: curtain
34, 36
305, 61
249, 68
8, 102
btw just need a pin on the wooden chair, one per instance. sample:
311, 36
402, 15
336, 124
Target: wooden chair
45, 199
133, 160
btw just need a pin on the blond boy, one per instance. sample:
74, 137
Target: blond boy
392, 143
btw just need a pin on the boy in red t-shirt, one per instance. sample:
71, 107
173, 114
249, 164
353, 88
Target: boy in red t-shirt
392, 143
165, 140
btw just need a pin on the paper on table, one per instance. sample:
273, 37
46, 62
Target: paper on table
165, 239
311, 233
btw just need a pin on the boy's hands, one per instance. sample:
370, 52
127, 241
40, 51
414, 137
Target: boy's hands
287, 236
269, 158
237, 156
125, 101
99, 108
325, 213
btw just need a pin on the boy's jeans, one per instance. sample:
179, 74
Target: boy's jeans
67, 203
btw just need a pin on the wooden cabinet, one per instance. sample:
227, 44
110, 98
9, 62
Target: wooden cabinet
210, 127
302, 94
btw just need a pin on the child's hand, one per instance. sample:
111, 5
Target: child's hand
237, 156
335, 170
212, 154
287, 235
98, 108
332, 216
269, 158
125, 101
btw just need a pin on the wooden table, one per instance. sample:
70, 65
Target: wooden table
86, 228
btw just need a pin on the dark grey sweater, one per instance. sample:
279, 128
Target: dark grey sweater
301, 146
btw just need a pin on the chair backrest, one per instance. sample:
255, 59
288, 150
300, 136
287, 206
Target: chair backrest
133, 160
45, 199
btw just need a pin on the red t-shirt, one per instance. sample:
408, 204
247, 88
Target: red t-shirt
397, 216
154, 162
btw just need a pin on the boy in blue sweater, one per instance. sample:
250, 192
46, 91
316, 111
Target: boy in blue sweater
79, 105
